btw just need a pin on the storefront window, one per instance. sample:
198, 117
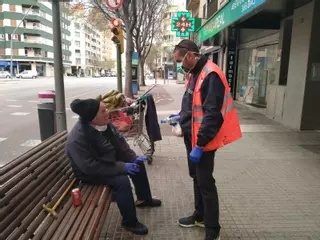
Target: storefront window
256, 70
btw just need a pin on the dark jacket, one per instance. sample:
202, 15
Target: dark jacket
212, 95
96, 154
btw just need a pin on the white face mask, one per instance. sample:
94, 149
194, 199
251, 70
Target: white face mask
102, 128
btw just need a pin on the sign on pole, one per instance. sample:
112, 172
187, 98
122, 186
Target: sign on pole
183, 24
114, 4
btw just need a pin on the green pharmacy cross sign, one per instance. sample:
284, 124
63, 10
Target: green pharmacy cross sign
183, 24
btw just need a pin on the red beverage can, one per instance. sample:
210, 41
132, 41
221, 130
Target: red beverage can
76, 197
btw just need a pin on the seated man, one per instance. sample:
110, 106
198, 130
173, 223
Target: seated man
99, 155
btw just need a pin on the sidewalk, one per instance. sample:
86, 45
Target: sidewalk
268, 184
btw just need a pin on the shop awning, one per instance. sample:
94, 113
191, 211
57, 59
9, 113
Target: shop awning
231, 12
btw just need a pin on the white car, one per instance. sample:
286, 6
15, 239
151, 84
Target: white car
27, 74
4, 74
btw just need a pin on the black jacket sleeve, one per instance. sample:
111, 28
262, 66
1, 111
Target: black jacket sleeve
212, 95
94, 165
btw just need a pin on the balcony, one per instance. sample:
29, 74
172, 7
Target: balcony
37, 40
192, 4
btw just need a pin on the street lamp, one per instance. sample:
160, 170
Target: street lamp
14, 31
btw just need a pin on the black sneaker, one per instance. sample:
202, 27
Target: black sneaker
151, 203
190, 222
137, 228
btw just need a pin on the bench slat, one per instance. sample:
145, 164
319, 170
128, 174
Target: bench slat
77, 215
50, 224
47, 150
20, 210
10, 165
103, 218
102, 204
29, 186
30, 173
88, 213
33, 221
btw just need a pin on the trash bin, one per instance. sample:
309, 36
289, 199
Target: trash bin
46, 115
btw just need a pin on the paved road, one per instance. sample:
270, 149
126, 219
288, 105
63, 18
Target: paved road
19, 128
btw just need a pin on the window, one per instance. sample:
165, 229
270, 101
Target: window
77, 43
1, 22
2, 51
12, 8
77, 51
42, 14
77, 26
77, 34
15, 51
13, 23
2, 37
204, 11
78, 61
0, 7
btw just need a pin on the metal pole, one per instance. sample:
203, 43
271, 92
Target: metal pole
14, 31
61, 122
119, 67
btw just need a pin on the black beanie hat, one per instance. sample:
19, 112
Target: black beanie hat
86, 109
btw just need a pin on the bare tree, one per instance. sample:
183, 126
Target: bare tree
128, 15
147, 30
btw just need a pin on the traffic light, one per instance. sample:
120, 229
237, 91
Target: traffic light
117, 33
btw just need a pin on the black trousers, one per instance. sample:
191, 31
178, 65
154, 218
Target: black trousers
122, 192
206, 200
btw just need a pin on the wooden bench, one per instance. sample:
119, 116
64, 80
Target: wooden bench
40, 177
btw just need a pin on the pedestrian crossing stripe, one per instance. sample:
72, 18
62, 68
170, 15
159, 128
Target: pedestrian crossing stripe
20, 113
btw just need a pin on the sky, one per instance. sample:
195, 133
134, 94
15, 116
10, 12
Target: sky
182, 2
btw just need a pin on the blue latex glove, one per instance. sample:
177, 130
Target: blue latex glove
140, 159
174, 116
196, 154
132, 168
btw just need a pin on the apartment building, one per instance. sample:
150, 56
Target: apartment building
165, 64
32, 41
86, 48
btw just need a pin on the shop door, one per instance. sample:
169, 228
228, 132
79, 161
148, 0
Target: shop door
265, 72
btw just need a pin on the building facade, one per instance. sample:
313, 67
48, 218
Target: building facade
32, 41
86, 48
268, 51
165, 64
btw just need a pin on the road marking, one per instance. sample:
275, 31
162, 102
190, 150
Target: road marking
68, 109
75, 116
19, 113
11, 100
15, 106
31, 143
33, 101
159, 100
2, 139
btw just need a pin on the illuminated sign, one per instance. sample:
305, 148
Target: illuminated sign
183, 24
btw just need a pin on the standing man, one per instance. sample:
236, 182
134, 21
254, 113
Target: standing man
209, 121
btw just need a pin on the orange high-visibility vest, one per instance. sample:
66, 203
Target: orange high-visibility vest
230, 130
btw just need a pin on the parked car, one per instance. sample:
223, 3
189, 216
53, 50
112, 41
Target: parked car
4, 74
96, 75
27, 74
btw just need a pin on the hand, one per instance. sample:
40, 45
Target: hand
196, 154
177, 116
140, 159
132, 168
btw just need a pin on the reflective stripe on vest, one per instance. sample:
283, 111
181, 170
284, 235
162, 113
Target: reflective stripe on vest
224, 110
